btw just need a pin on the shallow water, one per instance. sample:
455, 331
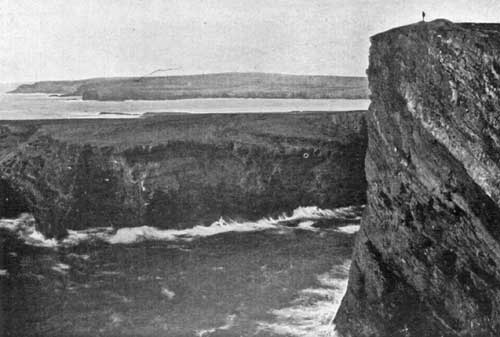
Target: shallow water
42, 106
283, 280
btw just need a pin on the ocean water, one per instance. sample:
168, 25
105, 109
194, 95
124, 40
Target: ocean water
42, 106
282, 276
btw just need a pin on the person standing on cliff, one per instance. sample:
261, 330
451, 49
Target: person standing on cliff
423, 16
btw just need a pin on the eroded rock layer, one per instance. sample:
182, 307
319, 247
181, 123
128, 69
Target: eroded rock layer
180, 170
427, 258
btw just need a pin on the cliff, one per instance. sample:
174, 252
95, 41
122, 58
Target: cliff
427, 258
179, 170
224, 85
60, 87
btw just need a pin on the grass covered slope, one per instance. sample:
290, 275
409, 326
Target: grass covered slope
223, 85
59, 87
181, 170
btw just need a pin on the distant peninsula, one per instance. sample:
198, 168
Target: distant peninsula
222, 85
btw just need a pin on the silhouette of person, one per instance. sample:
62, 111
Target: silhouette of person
423, 16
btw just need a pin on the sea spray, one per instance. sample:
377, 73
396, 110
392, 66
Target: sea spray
24, 227
239, 283
306, 217
311, 314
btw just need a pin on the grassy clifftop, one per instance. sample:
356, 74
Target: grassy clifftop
230, 85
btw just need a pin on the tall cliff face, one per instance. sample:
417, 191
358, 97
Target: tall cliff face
180, 170
427, 258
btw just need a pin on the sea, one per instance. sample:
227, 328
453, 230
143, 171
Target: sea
263, 278
278, 276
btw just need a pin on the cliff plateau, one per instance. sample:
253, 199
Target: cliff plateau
221, 85
178, 171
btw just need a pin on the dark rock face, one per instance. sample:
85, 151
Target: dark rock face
182, 170
427, 257
12, 202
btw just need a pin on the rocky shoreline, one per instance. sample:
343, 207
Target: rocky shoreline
178, 171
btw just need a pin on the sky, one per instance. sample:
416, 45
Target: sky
73, 39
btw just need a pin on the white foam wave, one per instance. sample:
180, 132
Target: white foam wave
61, 268
135, 234
74, 237
307, 225
306, 216
167, 293
230, 320
349, 229
316, 213
205, 332
25, 228
312, 313
84, 257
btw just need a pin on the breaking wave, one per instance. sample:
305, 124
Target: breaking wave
24, 226
311, 314
349, 229
303, 218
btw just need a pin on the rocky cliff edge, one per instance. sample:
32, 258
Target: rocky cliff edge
427, 258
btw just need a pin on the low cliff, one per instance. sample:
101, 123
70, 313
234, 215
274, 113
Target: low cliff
60, 87
223, 85
180, 170
427, 257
